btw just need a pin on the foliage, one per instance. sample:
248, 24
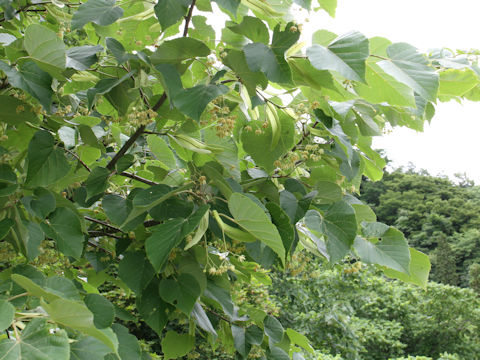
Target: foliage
164, 163
355, 313
437, 216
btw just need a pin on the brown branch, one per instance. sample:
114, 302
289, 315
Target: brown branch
188, 18
111, 165
138, 178
100, 222
160, 102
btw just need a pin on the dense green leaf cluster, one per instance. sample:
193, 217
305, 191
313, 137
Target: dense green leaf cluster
168, 162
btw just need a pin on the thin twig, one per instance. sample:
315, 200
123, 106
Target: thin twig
111, 165
95, 245
160, 102
100, 222
188, 18
78, 158
138, 178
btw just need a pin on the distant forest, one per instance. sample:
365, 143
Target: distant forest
437, 215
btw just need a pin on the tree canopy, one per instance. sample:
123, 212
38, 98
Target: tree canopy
161, 163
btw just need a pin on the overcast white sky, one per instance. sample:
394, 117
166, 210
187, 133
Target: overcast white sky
451, 143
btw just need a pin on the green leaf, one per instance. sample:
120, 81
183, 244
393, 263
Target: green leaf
328, 191
66, 229
102, 310
300, 340
381, 87
46, 162
254, 335
152, 308
128, 346
15, 112
281, 220
455, 82
36, 342
409, 67
193, 101
41, 204
253, 219
304, 74
165, 237
221, 296
418, 270
252, 28
82, 57
162, 152
330, 6
254, 144
5, 225
273, 329
392, 251
169, 12
229, 5
239, 342
31, 79
179, 49
100, 12
202, 320
77, 316
346, 55
118, 50
182, 292
262, 58
176, 345
61, 287
97, 182
33, 288
7, 313
46, 48
116, 208
339, 226
88, 348
170, 79
104, 86
135, 271
236, 61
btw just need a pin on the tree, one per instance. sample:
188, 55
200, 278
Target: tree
161, 164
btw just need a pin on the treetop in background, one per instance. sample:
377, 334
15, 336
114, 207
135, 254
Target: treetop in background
162, 164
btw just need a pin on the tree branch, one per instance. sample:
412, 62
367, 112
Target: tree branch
188, 18
78, 158
138, 178
111, 165
160, 102
100, 222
